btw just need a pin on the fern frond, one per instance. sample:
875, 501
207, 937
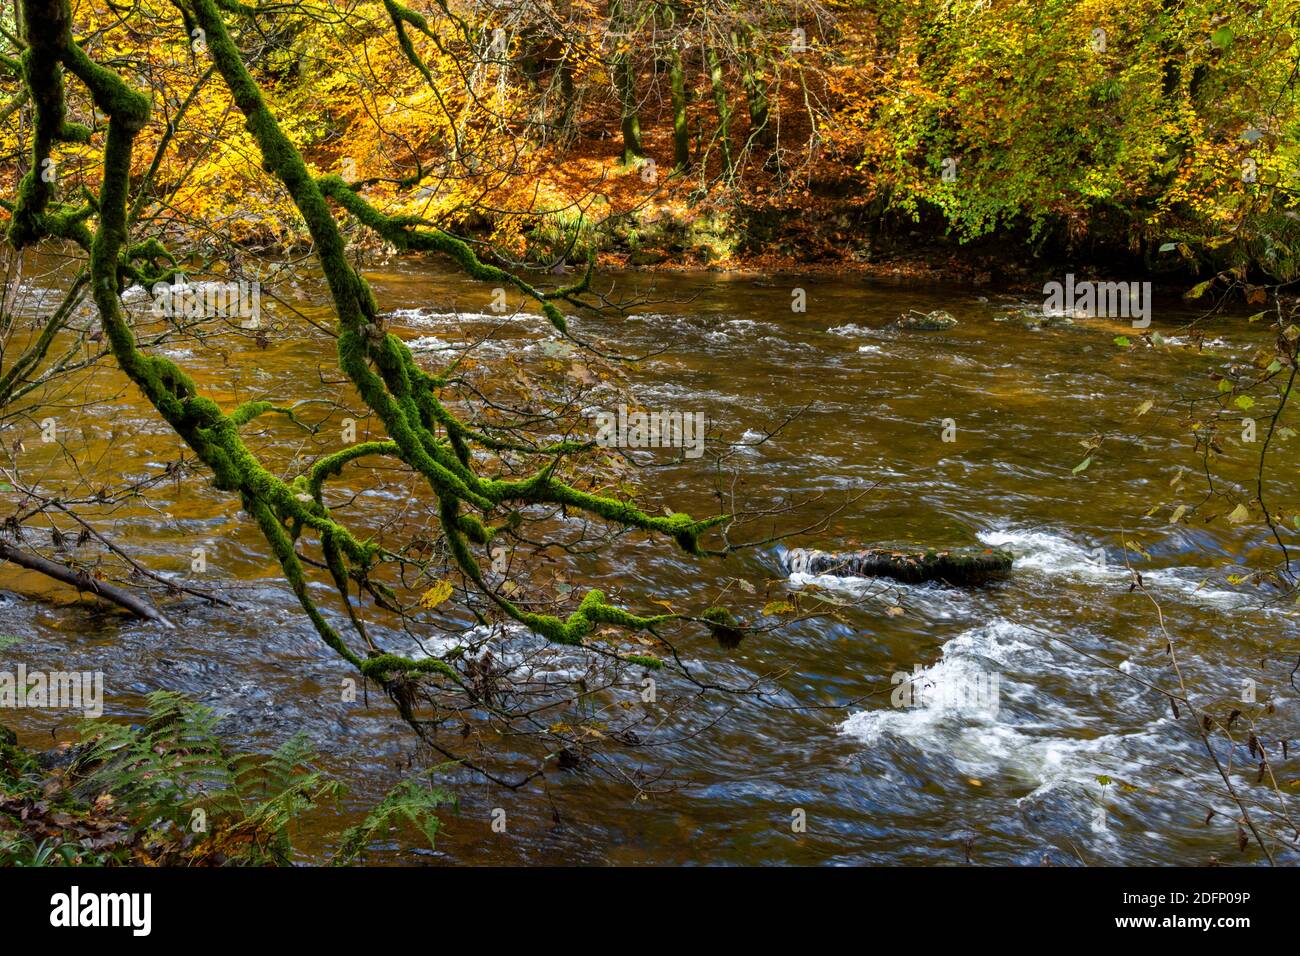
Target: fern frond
412, 801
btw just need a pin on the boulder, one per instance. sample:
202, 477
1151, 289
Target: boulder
960, 566
936, 321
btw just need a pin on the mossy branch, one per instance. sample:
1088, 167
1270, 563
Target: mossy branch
403, 233
245, 413
379, 364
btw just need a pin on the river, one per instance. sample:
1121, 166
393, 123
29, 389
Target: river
1073, 730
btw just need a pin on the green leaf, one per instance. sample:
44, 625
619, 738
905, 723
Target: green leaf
1221, 37
1081, 465
777, 607
1122, 341
1244, 402
1168, 246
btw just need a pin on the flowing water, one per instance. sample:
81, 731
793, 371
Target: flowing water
1072, 727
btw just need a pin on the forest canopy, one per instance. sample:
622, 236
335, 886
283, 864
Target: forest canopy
707, 132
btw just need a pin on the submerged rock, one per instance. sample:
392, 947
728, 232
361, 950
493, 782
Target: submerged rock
936, 321
1034, 320
962, 566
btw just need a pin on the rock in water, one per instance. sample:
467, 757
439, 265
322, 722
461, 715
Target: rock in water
936, 321
1033, 320
962, 566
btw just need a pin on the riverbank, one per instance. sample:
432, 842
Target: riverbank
169, 791
42, 825
842, 237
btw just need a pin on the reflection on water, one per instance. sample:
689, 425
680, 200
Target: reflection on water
1073, 730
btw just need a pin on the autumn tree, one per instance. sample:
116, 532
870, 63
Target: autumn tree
493, 478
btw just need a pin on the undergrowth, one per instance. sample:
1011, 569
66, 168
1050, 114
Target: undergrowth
170, 792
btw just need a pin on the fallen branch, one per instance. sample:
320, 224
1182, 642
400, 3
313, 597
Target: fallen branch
83, 582
139, 568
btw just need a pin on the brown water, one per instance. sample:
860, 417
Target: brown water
878, 783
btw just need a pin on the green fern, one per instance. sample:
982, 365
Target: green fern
162, 768
175, 765
412, 801
161, 773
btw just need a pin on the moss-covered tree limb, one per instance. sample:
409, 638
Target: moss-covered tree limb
423, 433
198, 420
43, 78
379, 364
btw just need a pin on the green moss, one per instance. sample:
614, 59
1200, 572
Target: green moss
724, 626
653, 663
379, 364
245, 413
332, 465
385, 665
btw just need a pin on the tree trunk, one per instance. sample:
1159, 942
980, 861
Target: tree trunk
569, 97
681, 132
625, 81
717, 80
751, 80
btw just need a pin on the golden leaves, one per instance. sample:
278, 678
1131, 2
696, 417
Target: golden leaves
437, 594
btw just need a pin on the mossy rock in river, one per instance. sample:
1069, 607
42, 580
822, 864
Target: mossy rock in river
961, 566
936, 321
